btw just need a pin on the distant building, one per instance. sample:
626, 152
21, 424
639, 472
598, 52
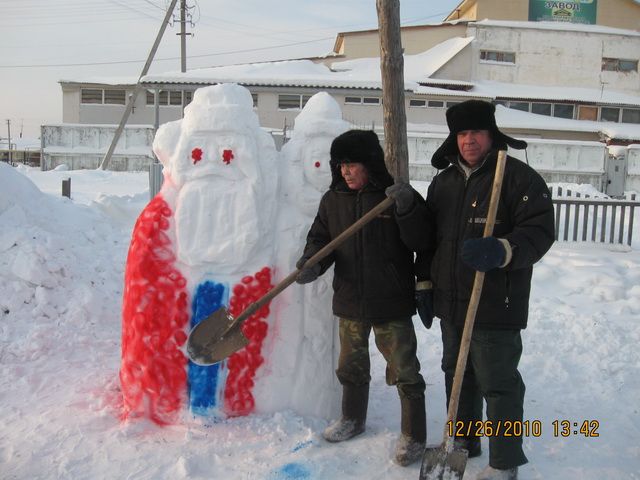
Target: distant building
584, 68
22, 150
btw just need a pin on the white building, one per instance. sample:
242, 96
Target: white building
574, 80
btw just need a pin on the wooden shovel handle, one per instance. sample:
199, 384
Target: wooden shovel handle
323, 252
473, 304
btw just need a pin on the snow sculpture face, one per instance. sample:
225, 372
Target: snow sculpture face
315, 128
315, 161
217, 137
213, 159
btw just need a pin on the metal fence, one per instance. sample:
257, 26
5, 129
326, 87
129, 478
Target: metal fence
155, 179
603, 220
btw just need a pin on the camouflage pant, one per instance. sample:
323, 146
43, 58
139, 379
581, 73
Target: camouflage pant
396, 340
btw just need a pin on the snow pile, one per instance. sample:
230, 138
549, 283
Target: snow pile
60, 357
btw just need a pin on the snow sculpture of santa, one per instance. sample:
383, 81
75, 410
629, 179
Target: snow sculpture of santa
303, 351
203, 242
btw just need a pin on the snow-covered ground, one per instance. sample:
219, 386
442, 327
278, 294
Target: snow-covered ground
61, 278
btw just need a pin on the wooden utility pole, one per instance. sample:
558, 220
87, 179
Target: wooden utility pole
392, 69
183, 36
138, 88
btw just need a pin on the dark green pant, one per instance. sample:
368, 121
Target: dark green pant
396, 340
492, 374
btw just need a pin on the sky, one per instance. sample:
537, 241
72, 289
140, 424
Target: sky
45, 41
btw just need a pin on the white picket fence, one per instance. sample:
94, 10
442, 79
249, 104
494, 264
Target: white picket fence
588, 218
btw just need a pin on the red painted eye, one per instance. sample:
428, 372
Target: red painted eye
196, 154
227, 156
317, 164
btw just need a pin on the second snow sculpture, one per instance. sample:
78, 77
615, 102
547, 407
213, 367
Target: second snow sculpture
301, 355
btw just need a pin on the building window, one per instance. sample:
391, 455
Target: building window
175, 97
563, 110
522, 106
609, 114
100, 96
292, 102
362, 100
417, 103
435, 104
91, 95
254, 97
619, 65
495, 56
541, 108
451, 104
114, 97
630, 115
169, 97
587, 112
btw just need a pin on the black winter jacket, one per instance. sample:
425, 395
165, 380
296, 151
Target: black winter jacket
456, 209
374, 276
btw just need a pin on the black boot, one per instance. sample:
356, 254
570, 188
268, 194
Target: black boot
411, 444
355, 399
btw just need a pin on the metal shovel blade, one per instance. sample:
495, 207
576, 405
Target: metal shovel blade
438, 464
209, 341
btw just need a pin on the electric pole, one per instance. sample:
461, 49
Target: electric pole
183, 36
138, 87
9, 139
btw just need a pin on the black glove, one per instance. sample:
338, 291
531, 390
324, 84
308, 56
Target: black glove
403, 195
424, 302
307, 275
483, 254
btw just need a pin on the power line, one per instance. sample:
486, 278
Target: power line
163, 59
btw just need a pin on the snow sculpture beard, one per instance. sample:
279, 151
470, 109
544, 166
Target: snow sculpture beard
219, 182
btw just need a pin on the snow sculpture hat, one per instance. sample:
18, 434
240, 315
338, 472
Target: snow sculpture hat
472, 115
360, 146
320, 116
221, 108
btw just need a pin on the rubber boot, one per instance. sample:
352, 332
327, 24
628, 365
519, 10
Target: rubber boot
470, 444
490, 473
355, 400
411, 443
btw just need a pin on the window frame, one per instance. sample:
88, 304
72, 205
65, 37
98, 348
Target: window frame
498, 56
303, 98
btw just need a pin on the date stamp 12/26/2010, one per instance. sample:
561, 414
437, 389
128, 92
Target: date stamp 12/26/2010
523, 428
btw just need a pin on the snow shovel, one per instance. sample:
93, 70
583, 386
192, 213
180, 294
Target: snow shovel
442, 462
220, 335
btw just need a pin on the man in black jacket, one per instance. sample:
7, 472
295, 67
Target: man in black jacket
373, 289
449, 231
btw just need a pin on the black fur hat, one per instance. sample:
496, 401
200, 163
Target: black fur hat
472, 115
360, 146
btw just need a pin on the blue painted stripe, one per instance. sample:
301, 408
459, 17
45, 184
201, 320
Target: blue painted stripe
205, 384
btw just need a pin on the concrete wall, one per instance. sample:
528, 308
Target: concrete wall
633, 168
84, 146
556, 161
554, 57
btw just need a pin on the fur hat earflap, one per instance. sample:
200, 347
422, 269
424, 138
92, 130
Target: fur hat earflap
472, 115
